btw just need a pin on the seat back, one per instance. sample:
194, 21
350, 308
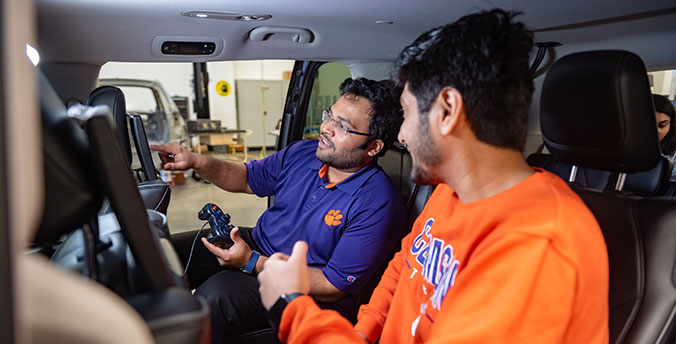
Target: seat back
145, 157
590, 178
113, 98
597, 113
653, 182
396, 163
155, 193
82, 165
72, 191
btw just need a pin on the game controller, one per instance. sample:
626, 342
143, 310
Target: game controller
219, 221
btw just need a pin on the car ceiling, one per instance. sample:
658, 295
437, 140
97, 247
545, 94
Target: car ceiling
97, 31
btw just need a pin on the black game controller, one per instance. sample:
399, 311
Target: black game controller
219, 221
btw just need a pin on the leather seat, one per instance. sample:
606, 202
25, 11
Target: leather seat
653, 182
597, 113
397, 164
156, 193
82, 166
113, 98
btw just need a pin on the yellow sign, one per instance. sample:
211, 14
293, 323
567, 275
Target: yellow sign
223, 88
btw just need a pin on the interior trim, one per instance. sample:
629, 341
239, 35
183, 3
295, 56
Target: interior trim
610, 20
6, 282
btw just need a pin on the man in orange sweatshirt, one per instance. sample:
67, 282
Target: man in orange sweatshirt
501, 252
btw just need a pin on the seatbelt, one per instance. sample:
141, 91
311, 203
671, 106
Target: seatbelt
541, 148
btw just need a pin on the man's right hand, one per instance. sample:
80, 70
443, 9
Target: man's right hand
284, 275
176, 157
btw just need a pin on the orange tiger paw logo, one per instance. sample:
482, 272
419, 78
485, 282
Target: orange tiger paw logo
333, 218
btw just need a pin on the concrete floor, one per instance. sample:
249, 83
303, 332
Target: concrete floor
187, 200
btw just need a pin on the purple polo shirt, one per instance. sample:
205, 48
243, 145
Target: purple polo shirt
350, 227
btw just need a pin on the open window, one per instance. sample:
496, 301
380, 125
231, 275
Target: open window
314, 87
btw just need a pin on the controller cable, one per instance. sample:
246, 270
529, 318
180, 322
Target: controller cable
193, 247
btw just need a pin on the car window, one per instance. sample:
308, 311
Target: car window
245, 103
325, 92
140, 99
663, 82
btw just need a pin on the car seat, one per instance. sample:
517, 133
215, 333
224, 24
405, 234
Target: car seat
113, 97
397, 164
653, 182
82, 166
596, 112
156, 193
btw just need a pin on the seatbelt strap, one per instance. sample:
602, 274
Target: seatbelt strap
540, 149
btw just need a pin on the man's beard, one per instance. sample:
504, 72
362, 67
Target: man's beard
344, 160
427, 153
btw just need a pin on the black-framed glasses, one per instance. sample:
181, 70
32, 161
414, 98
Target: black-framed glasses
326, 115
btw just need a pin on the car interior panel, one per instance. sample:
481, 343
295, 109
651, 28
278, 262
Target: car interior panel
114, 99
174, 313
638, 230
111, 273
155, 193
142, 148
653, 182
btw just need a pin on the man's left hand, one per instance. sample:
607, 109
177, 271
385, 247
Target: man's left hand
236, 256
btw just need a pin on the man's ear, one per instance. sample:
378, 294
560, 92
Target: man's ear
453, 109
374, 148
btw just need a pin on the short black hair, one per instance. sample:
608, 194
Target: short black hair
385, 117
485, 57
664, 105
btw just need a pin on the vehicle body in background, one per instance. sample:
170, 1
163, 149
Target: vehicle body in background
147, 98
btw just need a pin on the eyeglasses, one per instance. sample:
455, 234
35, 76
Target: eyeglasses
327, 116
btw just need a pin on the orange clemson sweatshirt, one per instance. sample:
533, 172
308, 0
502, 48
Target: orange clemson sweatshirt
526, 265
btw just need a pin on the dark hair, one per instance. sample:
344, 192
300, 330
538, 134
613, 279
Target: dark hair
385, 117
664, 105
485, 57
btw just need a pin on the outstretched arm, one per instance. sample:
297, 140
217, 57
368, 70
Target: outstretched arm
227, 175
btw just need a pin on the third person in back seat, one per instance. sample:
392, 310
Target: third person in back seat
502, 252
664, 115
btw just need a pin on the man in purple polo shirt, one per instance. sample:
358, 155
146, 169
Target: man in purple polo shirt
330, 193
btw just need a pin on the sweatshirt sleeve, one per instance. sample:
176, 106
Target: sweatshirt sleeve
516, 289
304, 322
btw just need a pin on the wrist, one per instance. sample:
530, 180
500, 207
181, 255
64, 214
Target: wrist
275, 312
198, 160
260, 264
250, 266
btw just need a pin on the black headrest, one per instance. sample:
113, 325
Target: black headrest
113, 97
596, 111
72, 193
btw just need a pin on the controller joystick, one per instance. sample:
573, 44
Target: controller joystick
219, 221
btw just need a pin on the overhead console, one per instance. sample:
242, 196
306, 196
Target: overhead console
187, 46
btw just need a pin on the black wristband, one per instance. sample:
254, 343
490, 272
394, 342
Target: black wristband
276, 311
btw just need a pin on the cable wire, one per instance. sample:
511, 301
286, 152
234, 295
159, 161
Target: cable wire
193, 247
